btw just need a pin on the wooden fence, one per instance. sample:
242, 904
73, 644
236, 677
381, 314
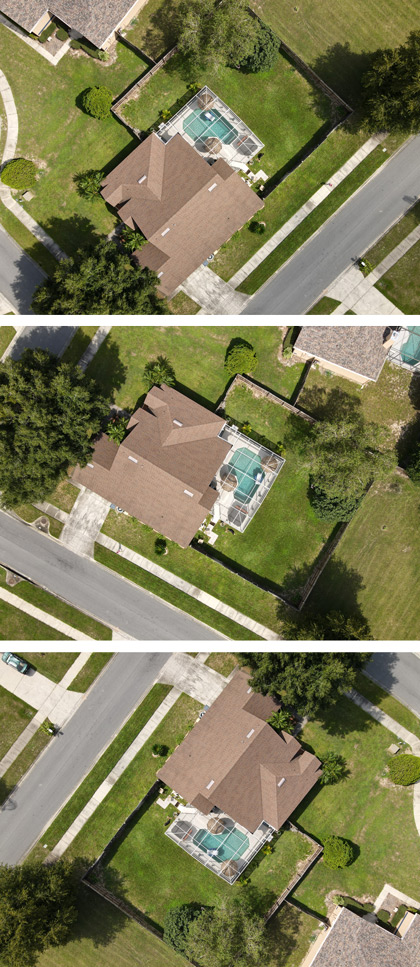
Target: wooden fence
313, 858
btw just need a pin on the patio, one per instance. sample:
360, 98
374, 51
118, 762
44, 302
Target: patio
216, 841
214, 130
244, 480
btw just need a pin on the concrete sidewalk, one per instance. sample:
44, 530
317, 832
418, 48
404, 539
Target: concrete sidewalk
93, 346
398, 730
44, 616
358, 293
192, 676
215, 296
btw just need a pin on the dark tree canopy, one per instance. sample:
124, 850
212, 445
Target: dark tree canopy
99, 280
37, 910
392, 88
49, 413
178, 919
210, 32
413, 466
231, 933
265, 52
308, 681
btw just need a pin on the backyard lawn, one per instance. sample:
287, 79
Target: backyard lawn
362, 808
337, 43
401, 283
154, 28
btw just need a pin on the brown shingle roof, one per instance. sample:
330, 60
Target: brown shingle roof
94, 19
244, 759
162, 472
357, 348
173, 206
354, 942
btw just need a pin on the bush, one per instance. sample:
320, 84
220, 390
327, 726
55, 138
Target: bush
332, 508
47, 33
176, 925
62, 34
97, 101
159, 749
405, 769
265, 53
19, 173
160, 545
333, 768
338, 852
257, 227
240, 357
75, 44
116, 429
413, 466
102, 55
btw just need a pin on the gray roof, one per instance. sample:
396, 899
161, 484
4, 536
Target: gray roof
359, 349
94, 19
354, 942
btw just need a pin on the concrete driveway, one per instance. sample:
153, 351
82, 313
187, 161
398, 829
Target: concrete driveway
54, 338
35, 689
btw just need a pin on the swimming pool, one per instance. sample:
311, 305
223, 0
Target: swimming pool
228, 844
247, 466
209, 124
410, 351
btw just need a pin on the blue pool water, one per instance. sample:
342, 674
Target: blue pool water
246, 465
198, 126
410, 351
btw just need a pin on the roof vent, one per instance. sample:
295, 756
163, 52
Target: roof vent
140, 180
210, 784
212, 187
165, 232
281, 782
160, 275
250, 733
249, 690
177, 422
90, 465
188, 493
133, 459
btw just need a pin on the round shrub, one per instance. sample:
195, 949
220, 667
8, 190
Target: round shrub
240, 357
338, 852
257, 227
97, 101
405, 769
19, 173
62, 34
159, 749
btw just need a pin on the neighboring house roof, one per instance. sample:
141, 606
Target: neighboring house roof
162, 472
355, 942
185, 207
359, 349
234, 761
94, 19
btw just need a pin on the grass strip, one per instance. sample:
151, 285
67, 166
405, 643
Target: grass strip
222, 661
387, 703
178, 598
81, 340
7, 333
29, 513
102, 768
324, 307
15, 715
16, 625
314, 221
396, 234
23, 762
58, 609
90, 671
24, 238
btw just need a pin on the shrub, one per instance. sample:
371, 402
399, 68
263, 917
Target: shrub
405, 769
176, 925
97, 101
240, 357
102, 55
160, 545
88, 183
334, 508
413, 467
282, 721
46, 33
287, 352
75, 44
19, 173
257, 227
265, 53
159, 749
338, 852
116, 429
333, 768
62, 34
383, 916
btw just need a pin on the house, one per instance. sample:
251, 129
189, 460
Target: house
354, 941
96, 20
356, 352
184, 206
163, 470
240, 778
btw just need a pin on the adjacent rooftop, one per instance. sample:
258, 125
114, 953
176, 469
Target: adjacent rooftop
356, 942
94, 19
359, 350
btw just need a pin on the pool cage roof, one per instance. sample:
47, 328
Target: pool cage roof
245, 479
186, 833
405, 350
213, 129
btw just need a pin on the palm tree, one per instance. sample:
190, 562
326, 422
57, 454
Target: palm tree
89, 183
133, 239
158, 371
281, 721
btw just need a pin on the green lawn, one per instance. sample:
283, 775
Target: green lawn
154, 28
63, 496
362, 808
7, 333
61, 139
52, 664
337, 43
387, 703
102, 768
22, 763
324, 307
182, 305
15, 715
78, 344
94, 665
393, 238
30, 513
380, 540
17, 626
197, 354
222, 661
401, 284
59, 609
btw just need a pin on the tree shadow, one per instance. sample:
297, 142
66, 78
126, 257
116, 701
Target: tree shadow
161, 35
410, 434
380, 669
71, 233
283, 934
54, 339
107, 368
342, 69
327, 404
97, 920
25, 277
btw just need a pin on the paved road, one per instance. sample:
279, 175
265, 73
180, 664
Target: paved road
19, 275
399, 673
54, 338
71, 755
367, 215
93, 588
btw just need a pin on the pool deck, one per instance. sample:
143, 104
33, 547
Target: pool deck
406, 341
190, 822
236, 507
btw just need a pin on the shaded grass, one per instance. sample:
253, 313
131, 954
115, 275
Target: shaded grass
154, 29
59, 609
361, 808
182, 305
23, 762
387, 703
94, 665
177, 598
222, 662
102, 768
382, 532
292, 932
401, 283
63, 496
15, 715
17, 626
324, 307
80, 341
396, 234
7, 333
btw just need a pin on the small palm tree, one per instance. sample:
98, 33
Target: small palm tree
158, 371
133, 239
333, 768
89, 183
282, 721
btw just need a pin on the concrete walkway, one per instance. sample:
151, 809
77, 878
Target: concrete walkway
306, 209
6, 307
398, 730
9, 153
84, 522
92, 349
39, 48
215, 296
55, 701
39, 615
356, 291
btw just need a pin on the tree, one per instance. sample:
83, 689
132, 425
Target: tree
338, 852
405, 769
334, 507
229, 934
333, 768
49, 413
282, 721
307, 681
158, 371
133, 240
99, 280
116, 429
391, 88
333, 626
160, 546
176, 925
89, 183
240, 357
97, 101
213, 33
265, 52
19, 173
37, 910
413, 466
